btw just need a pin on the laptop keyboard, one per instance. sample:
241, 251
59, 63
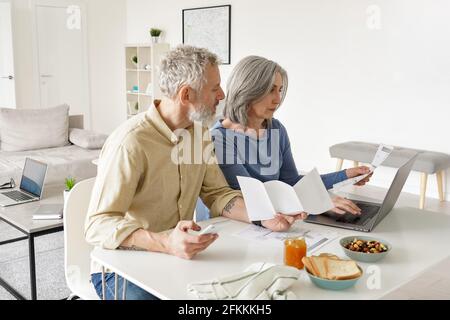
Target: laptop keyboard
367, 212
17, 196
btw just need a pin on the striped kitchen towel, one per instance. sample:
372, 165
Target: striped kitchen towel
260, 281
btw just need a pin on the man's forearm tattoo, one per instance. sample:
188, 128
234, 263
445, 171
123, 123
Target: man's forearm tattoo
230, 205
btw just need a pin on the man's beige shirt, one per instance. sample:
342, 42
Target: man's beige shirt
139, 185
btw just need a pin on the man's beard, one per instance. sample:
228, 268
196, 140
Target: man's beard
202, 114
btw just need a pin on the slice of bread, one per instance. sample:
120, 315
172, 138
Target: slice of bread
329, 255
331, 267
307, 263
341, 269
319, 266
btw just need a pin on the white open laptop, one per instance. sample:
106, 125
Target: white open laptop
31, 185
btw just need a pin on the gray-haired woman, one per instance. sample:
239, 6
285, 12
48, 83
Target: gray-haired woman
250, 142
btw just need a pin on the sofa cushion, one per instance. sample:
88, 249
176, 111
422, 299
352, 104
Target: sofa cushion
86, 138
29, 129
68, 161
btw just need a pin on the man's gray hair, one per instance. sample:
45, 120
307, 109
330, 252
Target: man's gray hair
185, 65
251, 79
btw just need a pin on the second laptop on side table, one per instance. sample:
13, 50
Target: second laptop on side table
31, 185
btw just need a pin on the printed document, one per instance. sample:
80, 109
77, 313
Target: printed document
382, 154
264, 200
314, 239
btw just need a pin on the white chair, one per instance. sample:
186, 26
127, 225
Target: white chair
76, 250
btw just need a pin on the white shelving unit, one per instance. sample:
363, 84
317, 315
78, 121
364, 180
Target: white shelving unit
142, 78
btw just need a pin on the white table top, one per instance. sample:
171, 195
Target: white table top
21, 215
419, 238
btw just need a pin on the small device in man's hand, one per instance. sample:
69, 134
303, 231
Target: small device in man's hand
212, 228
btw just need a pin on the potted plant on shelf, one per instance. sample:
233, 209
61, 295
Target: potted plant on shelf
69, 184
155, 33
134, 60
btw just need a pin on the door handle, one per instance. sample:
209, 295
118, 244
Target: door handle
46, 76
8, 77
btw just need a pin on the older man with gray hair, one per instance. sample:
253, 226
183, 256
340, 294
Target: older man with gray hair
142, 199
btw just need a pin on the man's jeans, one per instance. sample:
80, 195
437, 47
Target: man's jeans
133, 292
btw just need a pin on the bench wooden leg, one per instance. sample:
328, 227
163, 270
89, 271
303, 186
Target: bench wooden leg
423, 189
339, 164
440, 180
355, 164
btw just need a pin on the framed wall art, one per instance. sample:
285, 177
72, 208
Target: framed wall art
210, 28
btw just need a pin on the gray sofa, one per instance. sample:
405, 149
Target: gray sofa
70, 154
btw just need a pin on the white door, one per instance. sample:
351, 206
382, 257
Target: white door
62, 55
7, 81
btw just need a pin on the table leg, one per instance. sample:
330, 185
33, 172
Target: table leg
116, 286
31, 257
103, 284
124, 293
11, 290
32, 260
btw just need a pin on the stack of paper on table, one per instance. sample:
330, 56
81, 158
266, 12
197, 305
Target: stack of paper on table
264, 200
314, 239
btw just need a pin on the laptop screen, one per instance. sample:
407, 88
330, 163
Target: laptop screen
33, 177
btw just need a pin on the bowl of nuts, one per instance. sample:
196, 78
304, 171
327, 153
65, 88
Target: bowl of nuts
365, 249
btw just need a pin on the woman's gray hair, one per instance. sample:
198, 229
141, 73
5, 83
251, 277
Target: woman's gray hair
251, 79
184, 65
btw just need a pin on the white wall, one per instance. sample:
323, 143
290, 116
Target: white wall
106, 24
27, 90
107, 37
347, 82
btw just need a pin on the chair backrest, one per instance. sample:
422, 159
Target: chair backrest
76, 250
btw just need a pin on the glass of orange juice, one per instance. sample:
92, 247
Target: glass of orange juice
294, 251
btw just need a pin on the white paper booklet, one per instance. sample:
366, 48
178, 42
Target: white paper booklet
382, 154
264, 200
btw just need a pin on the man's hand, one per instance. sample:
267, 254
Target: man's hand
283, 222
358, 171
184, 245
342, 206
236, 210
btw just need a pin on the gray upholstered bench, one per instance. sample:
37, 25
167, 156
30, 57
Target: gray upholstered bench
427, 162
